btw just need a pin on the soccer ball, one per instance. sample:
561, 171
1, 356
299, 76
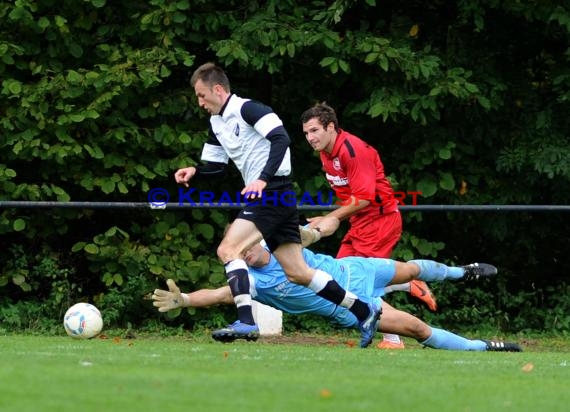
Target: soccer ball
83, 321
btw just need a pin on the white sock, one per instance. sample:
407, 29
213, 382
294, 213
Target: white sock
403, 287
319, 281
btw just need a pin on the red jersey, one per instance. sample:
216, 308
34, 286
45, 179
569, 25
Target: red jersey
354, 168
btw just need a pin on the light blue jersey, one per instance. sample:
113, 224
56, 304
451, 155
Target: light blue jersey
365, 277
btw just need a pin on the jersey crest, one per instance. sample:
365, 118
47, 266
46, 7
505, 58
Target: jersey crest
336, 164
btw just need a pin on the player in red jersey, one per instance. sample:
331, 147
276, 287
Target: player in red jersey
355, 172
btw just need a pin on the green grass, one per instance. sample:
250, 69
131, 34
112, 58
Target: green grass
39, 373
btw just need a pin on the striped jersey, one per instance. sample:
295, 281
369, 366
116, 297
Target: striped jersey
252, 136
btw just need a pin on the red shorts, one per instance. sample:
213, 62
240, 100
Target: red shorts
372, 235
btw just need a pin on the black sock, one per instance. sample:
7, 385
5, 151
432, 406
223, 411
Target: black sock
335, 293
238, 282
360, 310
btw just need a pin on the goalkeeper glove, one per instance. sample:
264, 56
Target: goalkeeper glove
309, 236
172, 298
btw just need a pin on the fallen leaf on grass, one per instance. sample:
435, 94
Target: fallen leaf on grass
325, 393
527, 367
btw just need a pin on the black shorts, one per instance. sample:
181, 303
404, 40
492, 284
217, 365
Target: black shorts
275, 215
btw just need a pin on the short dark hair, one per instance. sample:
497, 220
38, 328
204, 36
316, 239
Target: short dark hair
323, 112
210, 75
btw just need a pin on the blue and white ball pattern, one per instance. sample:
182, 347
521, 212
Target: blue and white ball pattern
83, 321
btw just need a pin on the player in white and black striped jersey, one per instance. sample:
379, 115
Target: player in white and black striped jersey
254, 138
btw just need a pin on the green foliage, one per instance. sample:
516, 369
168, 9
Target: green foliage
38, 290
467, 102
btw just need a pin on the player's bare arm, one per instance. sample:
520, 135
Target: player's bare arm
325, 225
329, 223
349, 207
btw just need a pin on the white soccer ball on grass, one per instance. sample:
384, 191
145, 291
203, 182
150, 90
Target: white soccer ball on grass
83, 321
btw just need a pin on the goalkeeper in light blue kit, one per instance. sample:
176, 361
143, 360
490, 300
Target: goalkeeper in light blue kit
269, 285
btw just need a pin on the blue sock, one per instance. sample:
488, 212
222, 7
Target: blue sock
443, 339
431, 270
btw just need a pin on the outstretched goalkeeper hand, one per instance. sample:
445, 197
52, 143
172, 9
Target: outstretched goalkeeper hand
320, 226
308, 235
172, 298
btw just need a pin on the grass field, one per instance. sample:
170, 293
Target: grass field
182, 374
